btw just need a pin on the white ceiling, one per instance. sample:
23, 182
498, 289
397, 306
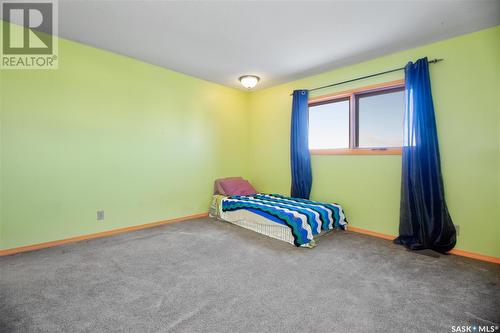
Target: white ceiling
278, 41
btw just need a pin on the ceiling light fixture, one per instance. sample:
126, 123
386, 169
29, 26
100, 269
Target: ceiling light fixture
249, 81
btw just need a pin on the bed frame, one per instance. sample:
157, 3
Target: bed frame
259, 224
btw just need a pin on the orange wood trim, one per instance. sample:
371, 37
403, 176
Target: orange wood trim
353, 122
348, 93
98, 235
370, 233
475, 256
357, 151
456, 252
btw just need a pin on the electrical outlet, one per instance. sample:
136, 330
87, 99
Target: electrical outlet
100, 215
457, 228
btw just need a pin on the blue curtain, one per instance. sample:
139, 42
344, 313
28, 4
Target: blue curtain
424, 219
299, 150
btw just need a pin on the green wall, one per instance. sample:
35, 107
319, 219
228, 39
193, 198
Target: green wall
466, 89
109, 132
145, 144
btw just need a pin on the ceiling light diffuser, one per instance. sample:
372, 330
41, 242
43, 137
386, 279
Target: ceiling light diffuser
249, 81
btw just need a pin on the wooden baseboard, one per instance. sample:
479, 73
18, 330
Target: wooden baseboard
201, 215
454, 251
475, 256
98, 235
370, 233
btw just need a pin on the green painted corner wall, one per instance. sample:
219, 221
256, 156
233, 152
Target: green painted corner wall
466, 90
145, 144
109, 132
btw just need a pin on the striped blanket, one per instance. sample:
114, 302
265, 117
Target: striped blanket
305, 218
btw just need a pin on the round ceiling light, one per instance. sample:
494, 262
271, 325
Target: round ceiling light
249, 81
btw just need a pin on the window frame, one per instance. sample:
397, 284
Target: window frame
352, 95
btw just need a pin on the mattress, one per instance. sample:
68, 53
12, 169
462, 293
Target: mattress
258, 223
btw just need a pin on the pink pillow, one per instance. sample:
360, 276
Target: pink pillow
237, 187
218, 188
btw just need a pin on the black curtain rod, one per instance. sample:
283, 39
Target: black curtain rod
433, 61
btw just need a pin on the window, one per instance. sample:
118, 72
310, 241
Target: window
329, 122
362, 121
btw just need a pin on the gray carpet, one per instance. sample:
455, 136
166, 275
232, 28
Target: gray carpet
209, 276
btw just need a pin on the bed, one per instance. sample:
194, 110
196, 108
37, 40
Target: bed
296, 221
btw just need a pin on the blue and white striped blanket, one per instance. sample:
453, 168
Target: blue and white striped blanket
305, 218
